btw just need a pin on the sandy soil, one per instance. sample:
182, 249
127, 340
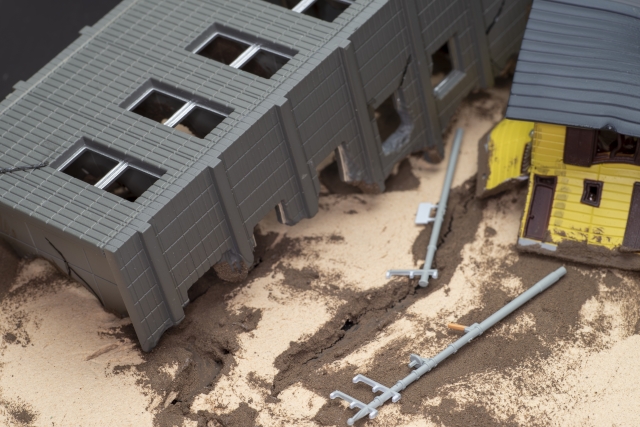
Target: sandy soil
317, 310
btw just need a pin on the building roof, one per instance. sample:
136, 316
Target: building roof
579, 65
80, 95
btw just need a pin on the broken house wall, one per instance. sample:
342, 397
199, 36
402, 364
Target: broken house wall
570, 219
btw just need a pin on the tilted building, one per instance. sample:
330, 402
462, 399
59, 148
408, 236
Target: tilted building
171, 128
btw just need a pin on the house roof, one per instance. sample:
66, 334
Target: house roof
580, 65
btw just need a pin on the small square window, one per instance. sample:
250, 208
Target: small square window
159, 106
442, 64
264, 64
387, 118
223, 49
592, 193
131, 184
199, 122
90, 166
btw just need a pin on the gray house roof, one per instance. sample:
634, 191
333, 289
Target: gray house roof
579, 65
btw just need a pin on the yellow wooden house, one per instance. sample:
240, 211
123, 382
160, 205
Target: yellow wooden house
574, 132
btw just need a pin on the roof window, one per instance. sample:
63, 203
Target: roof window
241, 51
327, 10
186, 116
109, 171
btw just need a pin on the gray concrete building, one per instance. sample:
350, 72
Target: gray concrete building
171, 128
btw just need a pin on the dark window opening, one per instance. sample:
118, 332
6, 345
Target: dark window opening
289, 4
264, 64
584, 147
223, 49
612, 146
199, 122
131, 184
394, 123
327, 10
158, 106
592, 193
185, 116
90, 167
387, 118
442, 64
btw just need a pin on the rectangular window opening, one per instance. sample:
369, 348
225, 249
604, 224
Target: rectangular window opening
199, 122
241, 51
223, 49
108, 169
159, 106
264, 64
186, 116
326, 10
131, 184
592, 193
394, 123
289, 4
90, 166
442, 64
586, 147
387, 118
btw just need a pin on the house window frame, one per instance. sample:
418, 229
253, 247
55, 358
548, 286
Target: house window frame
588, 184
124, 163
256, 45
581, 148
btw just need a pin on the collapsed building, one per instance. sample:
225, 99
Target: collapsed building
149, 149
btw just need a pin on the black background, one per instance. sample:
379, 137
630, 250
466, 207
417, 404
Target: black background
32, 32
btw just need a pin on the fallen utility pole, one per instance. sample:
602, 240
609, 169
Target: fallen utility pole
425, 209
425, 365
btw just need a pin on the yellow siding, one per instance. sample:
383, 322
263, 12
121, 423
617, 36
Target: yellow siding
570, 219
506, 148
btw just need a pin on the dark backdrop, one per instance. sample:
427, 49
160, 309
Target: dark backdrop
32, 32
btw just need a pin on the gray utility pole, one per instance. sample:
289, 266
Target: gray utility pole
427, 271
425, 365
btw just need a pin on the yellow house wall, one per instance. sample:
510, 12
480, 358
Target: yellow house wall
570, 219
506, 148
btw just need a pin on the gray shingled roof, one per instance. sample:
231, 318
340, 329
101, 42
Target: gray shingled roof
580, 65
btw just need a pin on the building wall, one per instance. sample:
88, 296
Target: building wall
571, 219
439, 22
84, 261
509, 18
192, 232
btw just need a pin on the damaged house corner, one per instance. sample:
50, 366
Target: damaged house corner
174, 142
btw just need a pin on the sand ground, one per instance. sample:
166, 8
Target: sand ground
318, 309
